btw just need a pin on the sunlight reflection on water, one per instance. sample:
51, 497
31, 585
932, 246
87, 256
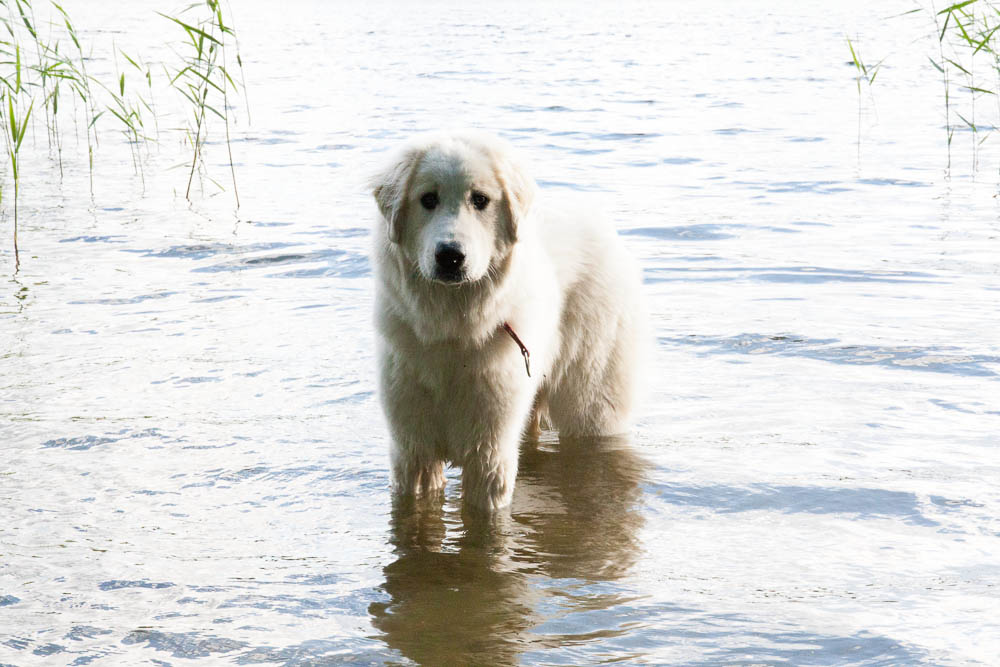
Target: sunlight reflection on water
195, 464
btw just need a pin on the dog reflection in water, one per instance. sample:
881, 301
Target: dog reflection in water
470, 589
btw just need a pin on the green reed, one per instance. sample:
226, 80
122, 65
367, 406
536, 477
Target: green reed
15, 124
966, 36
863, 72
45, 66
967, 59
204, 79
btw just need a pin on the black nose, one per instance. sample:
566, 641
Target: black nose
449, 258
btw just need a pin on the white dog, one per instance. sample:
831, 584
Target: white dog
492, 312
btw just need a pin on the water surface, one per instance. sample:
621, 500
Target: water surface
194, 464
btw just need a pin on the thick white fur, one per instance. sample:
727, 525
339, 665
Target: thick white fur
453, 382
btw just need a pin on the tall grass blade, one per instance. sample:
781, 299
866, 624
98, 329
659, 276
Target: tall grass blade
956, 6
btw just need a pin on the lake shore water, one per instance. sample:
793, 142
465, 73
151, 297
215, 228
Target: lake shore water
194, 459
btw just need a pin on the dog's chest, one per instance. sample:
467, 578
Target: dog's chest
469, 393
451, 373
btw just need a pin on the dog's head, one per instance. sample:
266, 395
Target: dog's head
453, 204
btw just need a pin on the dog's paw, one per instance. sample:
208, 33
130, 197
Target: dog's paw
488, 490
418, 480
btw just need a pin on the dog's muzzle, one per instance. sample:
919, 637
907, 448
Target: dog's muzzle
449, 263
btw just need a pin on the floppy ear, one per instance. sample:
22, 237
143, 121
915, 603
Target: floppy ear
390, 188
518, 194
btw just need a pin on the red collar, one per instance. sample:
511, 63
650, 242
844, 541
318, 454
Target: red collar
524, 350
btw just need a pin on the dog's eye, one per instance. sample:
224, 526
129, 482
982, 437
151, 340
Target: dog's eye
429, 201
479, 200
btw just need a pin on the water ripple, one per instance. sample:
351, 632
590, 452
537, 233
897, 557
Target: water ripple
117, 584
934, 359
85, 442
184, 645
860, 503
702, 232
338, 263
778, 274
203, 250
122, 301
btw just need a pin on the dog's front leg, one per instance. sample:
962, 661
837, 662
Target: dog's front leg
417, 464
490, 465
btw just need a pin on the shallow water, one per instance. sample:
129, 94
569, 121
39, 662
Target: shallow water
195, 464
